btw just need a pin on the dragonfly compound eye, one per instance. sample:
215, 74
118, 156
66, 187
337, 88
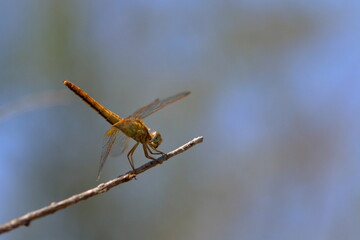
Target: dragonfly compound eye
156, 139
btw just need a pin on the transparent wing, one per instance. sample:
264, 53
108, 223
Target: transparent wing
109, 140
156, 105
120, 145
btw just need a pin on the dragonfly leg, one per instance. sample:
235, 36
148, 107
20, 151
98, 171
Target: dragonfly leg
157, 152
130, 154
145, 147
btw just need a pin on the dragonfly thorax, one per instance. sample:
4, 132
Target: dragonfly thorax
156, 139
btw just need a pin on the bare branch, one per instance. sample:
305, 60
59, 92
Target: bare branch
104, 187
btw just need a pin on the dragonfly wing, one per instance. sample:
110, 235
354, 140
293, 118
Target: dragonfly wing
109, 140
156, 105
120, 145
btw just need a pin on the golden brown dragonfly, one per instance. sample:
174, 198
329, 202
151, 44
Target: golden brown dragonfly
131, 127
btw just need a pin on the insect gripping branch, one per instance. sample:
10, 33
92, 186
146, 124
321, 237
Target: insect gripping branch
130, 127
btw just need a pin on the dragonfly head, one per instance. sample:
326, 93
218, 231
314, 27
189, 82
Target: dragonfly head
156, 139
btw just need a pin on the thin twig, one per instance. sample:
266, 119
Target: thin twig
104, 187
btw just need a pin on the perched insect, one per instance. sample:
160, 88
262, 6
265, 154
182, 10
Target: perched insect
131, 127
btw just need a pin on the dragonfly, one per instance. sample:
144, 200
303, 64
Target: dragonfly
130, 127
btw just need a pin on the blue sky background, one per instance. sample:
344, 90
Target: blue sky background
275, 92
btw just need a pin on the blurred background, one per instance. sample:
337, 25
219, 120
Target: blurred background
275, 92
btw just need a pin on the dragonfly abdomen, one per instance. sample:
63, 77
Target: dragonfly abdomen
110, 116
